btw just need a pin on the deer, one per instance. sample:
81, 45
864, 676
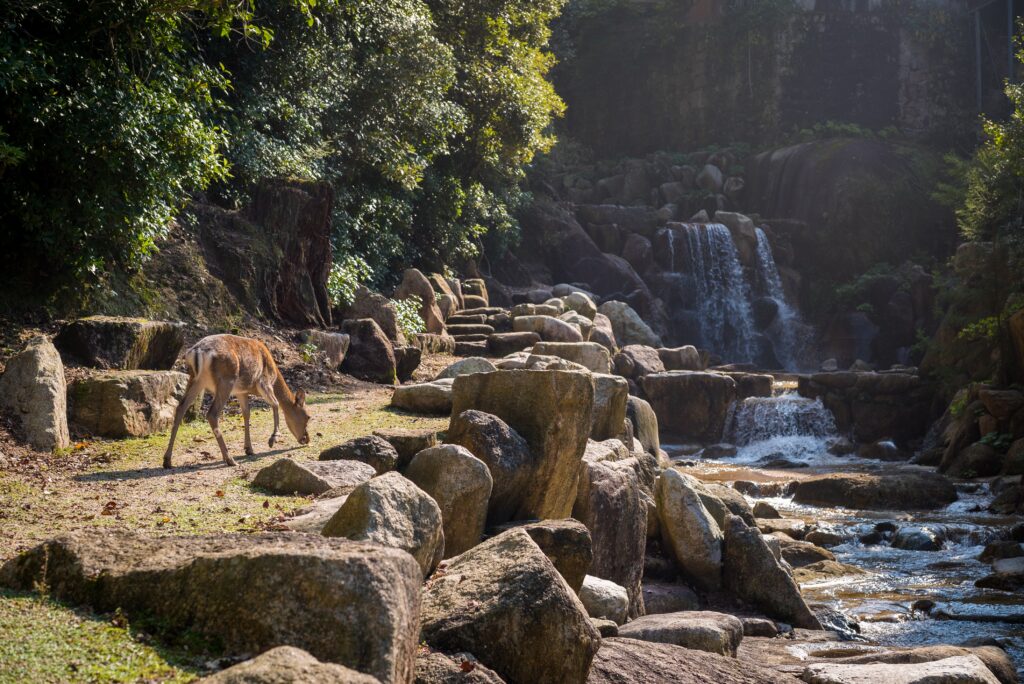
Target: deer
229, 365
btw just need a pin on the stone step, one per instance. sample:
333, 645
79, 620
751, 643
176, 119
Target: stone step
470, 348
458, 330
464, 319
476, 337
502, 344
478, 310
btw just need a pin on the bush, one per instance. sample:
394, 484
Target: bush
409, 320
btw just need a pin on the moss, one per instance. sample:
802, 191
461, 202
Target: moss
46, 641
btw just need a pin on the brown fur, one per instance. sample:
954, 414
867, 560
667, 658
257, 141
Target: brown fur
228, 365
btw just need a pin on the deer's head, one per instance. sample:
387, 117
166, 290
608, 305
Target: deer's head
296, 417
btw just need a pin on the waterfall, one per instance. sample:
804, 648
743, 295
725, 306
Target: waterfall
723, 294
787, 332
787, 426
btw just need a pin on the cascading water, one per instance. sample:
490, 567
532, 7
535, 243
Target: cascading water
787, 332
723, 294
785, 426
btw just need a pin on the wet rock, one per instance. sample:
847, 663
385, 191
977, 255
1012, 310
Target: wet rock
825, 569
604, 599
432, 398
790, 527
472, 364
461, 484
800, 553
763, 509
689, 533
458, 668
611, 396
645, 424
824, 538
500, 344
566, 543
504, 602
372, 450
364, 616
965, 669
907, 490
312, 478
668, 597
407, 442
391, 511
552, 410
752, 572
917, 538
699, 630
627, 325
1001, 549
590, 355
609, 502
133, 403
1007, 575
288, 664
370, 355
690, 405
549, 329
841, 446
33, 387
113, 343
623, 660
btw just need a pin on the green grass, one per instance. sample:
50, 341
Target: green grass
46, 641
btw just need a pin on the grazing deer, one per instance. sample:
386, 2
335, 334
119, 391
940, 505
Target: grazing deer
226, 365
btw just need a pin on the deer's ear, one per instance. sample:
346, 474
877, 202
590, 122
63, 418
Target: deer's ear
300, 398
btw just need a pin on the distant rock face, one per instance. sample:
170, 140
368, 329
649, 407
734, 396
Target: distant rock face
33, 387
122, 343
552, 411
288, 664
364, 616
126, 403
392, 511
504, 602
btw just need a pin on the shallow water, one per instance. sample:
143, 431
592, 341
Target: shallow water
879, 602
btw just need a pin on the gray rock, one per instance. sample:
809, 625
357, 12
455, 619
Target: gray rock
288, 664
111, 342
667, 597
549, 328
689, 533
370, 353
407, 441
967, 669
611, 396
590, 355
472, 364
700, 630
33, 387
504, 602
125, 403
391, 511
461, 485
334, 346
372, 450
305, 478
433, 398
604, 599
627, 325
917, 538
458, 668
566, 543
645, 424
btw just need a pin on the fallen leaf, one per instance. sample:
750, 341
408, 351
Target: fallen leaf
467, 666
266, 503
220, 494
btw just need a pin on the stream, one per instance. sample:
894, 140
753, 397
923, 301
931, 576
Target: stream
796, 432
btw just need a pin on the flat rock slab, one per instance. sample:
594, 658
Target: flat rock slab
126, 403
306, 478
432, 398
629, 661
457, 668
901, 491
700, 630
122, 343
345, 602
288, 664
956, 670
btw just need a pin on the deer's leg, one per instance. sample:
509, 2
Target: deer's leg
220, 399
267, 393
192, 391
243, 402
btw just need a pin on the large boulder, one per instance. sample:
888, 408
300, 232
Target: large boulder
332, 345
581, 304
122, 343
288, 664
459, 668
472, 364
634, 361
407, 441
902, 491
566, 543
344, 602
371, 449
504, 602
379, 309
549, 328
689, 533
506, 454
604, 599
370, 355
627, 325
125, 403
669, 597
414, 283
753, 573
552, 411
433, 398
391, 511
33, 387
609, 502
965, 669
461, 485
700, 630
681, 358
603, 333
312, 478
689, 404
407, 360
591, 355
645, 424
611, 394
622, 661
